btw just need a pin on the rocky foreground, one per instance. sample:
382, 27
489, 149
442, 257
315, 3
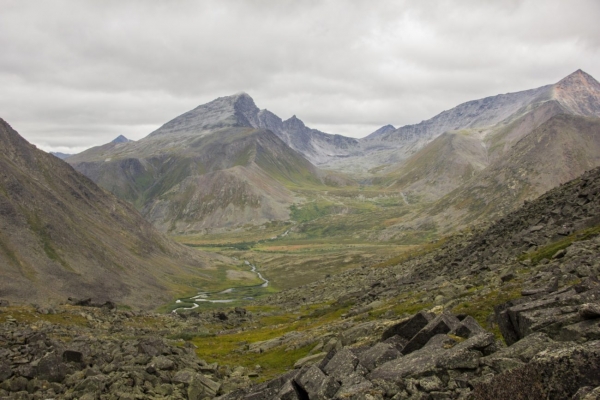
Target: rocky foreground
74, 352
555, 354
91, 352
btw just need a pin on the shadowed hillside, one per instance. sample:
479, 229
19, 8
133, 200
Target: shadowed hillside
61, 236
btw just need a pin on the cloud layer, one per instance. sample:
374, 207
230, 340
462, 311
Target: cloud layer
76, 74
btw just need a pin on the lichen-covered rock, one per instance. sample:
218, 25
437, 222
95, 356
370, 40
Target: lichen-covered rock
378, 355
316, 385
557, 374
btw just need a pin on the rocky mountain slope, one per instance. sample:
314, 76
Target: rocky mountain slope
207, 170
62, 236
504, 312
531, 278
496, 122
557, 151
480, 174
240, 111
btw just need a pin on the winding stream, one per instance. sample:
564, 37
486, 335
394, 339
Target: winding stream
209, 297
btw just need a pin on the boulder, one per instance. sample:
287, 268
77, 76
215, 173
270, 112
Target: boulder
546, 313
201, 387
51, 368
72, 356
409, 327
589, 310
314, 384
468, 327
358, 332
288, 392
343, 363
152, 347
443, 323
434, 356
377, 355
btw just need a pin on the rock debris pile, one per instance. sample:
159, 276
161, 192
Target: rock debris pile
102, 353
554, 353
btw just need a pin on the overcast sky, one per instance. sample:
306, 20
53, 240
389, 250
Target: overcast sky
74, 74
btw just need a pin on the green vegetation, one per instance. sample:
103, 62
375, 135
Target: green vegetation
481, 304
547, 251
311, 211
402, 306
8, 251
232, 348
43, 233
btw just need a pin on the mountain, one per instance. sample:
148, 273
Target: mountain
120, 139
206, 170
173, 175
60, 155
63, 236
480, 174
498, 121
117, 140
240, 110
384, 130
557, 151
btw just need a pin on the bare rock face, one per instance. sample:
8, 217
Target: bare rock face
579, 93
240, 111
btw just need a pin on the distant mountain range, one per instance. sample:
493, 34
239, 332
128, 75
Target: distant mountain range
227, 163
62, 236
207, 169
60, 155
480, 171
117, 140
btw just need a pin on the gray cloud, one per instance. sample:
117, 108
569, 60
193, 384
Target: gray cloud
76, 74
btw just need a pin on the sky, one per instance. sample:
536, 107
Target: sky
75, 74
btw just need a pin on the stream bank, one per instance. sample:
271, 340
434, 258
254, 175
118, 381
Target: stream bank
229, 295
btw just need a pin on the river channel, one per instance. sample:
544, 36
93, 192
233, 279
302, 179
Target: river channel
225, 296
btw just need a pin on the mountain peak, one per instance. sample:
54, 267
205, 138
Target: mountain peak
228, 111
382, 131
578, 77
294, 123
120, 139
579, 92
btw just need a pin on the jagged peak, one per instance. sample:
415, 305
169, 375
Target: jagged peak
294, 121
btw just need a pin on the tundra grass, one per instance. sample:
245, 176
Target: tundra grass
25, 314
232, 348
547, 251
481, 306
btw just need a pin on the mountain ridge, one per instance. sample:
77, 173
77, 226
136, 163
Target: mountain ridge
63, 236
